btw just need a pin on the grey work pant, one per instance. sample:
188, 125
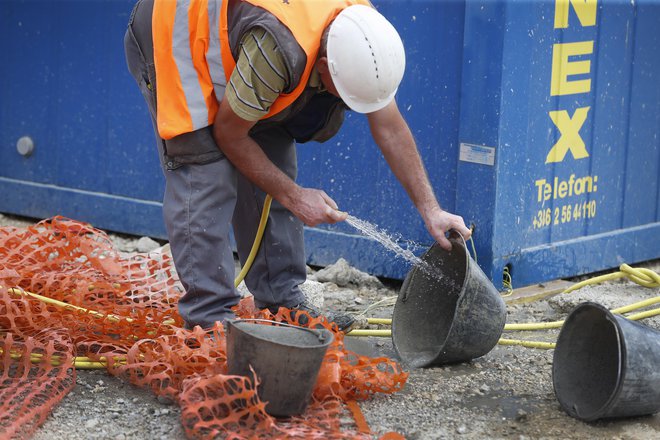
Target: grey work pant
205, 195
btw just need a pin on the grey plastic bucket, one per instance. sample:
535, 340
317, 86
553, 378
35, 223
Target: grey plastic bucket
286, 359
606, 365
447, 312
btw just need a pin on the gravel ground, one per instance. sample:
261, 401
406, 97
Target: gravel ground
506, 394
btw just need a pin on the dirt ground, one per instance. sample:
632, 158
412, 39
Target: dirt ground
505, 394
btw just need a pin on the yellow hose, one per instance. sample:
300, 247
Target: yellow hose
556, 324
528, 344
368, 332
54, 302
257, 240
78, 361
642, 276
388, 333
551, 324
90, 365
642, 315
637, 305
381, 321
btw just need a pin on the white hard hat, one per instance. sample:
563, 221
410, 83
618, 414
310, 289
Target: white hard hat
366, 58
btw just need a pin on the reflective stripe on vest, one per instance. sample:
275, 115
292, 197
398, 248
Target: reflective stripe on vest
193, 59
213, 54
184, 88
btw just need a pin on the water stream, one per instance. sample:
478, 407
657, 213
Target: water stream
372, 231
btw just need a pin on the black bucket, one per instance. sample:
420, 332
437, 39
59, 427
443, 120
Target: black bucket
447, 311
286, 359
606, 365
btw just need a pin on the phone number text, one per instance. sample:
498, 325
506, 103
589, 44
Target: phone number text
564, 214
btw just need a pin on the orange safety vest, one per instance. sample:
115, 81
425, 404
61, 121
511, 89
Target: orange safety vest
193, 59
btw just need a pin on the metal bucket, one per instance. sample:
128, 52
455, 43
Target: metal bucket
285, 358
447, 310
606, 365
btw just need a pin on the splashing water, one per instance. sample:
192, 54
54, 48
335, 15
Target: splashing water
372, 231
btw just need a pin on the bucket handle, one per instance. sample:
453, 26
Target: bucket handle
322, 337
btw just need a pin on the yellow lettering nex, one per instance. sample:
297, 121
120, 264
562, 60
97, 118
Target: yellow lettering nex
584, 9
563, 67
570, 138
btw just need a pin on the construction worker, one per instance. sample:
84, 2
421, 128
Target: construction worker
231, 86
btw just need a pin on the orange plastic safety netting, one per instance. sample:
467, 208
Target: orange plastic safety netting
69, 299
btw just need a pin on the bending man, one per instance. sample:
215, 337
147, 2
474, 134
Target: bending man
231, 86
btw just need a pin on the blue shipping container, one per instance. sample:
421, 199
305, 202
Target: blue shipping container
560, 117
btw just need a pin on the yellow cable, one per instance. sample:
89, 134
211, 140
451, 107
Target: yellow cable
637, 305
387, 333
528, 344
388, 301
90, 366
383, 321
45, 299
642, 276
533, 326
619, 311
474, 249
78, 361
507, 282
367, 332
594, 280
642, 315
257, 241
553, 324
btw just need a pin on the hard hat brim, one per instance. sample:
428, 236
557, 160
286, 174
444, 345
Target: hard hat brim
363, 107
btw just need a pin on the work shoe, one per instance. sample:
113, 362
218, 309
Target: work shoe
343, 321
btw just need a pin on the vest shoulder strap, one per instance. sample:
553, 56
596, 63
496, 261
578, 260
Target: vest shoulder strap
243, 16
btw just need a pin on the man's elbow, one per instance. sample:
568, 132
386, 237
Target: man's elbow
227, 133
220, 136
229, 130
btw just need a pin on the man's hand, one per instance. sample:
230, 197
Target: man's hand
393, 136
314, 206
439, 222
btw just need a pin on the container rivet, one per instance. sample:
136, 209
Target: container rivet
25, 146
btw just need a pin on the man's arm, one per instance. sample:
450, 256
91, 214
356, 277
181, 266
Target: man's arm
258, 79
311, 206
393, 136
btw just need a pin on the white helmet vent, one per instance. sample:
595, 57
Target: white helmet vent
373, 55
